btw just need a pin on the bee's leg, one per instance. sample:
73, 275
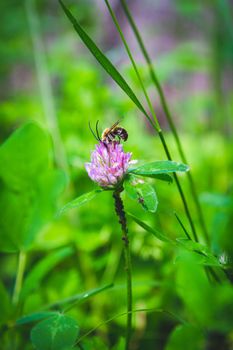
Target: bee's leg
105, 145
111, 137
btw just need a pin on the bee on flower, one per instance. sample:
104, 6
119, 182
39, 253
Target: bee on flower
109, 163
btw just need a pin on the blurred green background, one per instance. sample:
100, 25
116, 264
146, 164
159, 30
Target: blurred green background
49, 77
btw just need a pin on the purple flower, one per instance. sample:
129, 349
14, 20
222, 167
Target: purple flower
108, 164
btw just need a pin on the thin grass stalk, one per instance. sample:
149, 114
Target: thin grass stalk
134, 65
167, 113
156, 124
19, 277
145, 310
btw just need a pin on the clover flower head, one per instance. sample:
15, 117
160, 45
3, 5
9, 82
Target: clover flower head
109, 164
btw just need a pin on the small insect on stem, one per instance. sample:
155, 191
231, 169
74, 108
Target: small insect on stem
141, 200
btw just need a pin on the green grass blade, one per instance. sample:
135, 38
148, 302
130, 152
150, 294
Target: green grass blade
36, 316
147, 310
167, 113
103, 60
149, 229
140, 80
78, 298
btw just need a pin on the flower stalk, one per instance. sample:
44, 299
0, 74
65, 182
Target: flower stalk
119, 208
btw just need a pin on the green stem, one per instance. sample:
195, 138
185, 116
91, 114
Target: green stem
185, 204
19, 277
168, 115
119, 207
154, 122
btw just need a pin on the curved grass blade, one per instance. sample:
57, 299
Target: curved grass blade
182, 226
146, 310
36, 316
79, 298
206, 256
167, 113
148, 228
103, 60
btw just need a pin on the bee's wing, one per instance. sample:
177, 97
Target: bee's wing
113, 126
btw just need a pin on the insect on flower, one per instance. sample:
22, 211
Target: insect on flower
110, 134
109, 163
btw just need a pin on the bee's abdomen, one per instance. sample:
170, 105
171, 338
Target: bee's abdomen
122, 133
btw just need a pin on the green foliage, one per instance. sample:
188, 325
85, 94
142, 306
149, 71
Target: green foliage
159, 168
142, 192
192, 337
149, 229
58, 332
71, 258
6, 308
206, 257
202, 253
42, 268
29, 186
211, 299
77, 202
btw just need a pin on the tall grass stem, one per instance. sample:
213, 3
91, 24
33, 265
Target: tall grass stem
19, 277
168, 115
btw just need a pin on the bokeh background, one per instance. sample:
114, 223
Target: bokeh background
48, 76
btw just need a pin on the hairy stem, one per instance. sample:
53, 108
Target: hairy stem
119, 208
167, 113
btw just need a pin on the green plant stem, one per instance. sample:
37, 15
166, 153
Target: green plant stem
155, 122
19, 277
119, 207
185, 204
168, 115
